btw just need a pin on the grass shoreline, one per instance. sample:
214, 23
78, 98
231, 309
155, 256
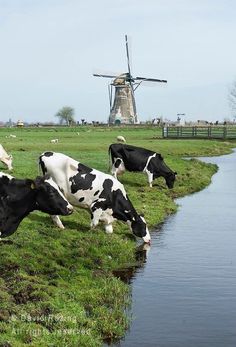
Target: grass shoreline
57, 287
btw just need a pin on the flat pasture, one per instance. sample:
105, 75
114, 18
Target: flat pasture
57, 287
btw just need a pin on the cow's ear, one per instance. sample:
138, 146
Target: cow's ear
73, 167
175, 173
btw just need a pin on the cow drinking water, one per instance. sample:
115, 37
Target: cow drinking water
19, 197
131, 158
101, 193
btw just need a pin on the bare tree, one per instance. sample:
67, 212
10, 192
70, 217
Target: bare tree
66, 115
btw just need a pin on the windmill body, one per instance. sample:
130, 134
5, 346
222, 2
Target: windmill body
123, 110
123, 106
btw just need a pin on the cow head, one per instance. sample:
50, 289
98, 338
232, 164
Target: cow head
170, 179
139, 227
20, 197
49, 198
8, 162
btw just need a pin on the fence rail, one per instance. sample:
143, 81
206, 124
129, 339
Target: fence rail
211, 132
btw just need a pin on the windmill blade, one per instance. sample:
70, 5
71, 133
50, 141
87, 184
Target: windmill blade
149, 79
127, 54
101, 75
110, 95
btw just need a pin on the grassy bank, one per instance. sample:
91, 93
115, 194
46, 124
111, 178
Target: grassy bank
57, 287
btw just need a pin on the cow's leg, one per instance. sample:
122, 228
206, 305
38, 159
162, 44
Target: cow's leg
56, 220
109, 228
114, 173
103, 216
150, 177
114, 170
118, 167
96, 214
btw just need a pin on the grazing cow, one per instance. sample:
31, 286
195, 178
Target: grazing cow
19, 197
131, 158
121, 139
54, 141
104, 195
5, 158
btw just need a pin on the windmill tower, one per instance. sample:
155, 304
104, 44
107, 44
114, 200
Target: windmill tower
122, 105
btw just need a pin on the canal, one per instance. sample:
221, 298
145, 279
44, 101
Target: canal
184, 295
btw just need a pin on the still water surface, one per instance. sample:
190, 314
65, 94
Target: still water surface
185, 293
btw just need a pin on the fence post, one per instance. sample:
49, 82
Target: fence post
164, 131
209, 132
225, 132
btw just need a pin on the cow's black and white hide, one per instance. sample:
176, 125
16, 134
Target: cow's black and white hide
136, 159
101, 193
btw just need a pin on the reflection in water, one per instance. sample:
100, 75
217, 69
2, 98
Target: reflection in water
128, 273
185, 295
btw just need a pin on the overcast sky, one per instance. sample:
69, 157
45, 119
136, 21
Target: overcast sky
51, 48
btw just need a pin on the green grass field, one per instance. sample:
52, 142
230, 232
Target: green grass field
57, 287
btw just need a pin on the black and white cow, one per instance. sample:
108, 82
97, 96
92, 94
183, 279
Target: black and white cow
101, 193
19, 197
131, 158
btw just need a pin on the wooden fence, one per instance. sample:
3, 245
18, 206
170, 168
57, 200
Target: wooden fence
199, 132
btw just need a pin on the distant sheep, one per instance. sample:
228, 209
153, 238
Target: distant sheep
121, 139
54, 141
10, 136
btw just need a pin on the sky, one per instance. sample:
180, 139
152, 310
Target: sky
51, 48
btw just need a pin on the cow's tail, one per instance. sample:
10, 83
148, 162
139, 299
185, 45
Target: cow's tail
41, 166
109, 159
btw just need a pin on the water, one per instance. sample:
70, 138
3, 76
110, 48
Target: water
185, 294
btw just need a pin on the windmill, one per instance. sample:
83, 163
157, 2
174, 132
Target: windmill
122, 105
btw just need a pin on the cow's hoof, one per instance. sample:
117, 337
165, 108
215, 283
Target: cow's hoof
93, 225
60, 226
109, 229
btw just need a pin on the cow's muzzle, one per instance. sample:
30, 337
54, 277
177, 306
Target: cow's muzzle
70, 210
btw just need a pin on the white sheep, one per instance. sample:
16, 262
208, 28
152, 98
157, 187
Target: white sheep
10, 136
121, 139
54, 141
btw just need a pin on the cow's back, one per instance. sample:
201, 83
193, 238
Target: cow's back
80, 184
134, 158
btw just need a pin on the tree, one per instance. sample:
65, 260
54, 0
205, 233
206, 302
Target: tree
66, 115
